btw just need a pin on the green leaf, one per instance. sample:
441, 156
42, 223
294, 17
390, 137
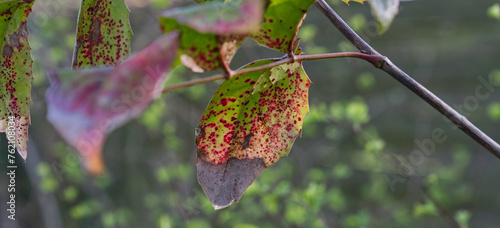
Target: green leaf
17, 74
85, 209
211, 33
463, 218
494, 11
70, 193
103, 34
384, 12
494, 111
250, 123
424, 209
282, 21
357, 112
86, 105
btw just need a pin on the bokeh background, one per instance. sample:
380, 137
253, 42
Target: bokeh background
356, 164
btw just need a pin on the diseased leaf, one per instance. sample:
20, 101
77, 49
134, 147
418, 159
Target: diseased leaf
282, 21
16, 69
103, 35
239, 16
250, 123
384, 12
212, 32
86, 105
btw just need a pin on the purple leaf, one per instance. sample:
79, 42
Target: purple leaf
86, 105
235, 17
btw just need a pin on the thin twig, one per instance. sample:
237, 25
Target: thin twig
340, 24
194, 82
376, 60
387, 66
373, 59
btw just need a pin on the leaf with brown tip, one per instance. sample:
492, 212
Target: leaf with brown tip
225, 183
16, 71
250, 123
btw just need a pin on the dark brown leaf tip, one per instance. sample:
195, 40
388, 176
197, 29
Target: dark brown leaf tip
225, 183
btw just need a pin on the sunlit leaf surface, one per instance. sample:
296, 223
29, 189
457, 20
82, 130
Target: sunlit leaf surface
282, 21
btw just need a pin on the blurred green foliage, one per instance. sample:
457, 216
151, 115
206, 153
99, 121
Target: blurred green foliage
494, 111
48, 182
494, 11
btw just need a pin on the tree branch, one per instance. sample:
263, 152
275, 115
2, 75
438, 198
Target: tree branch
376, 60
193, 82
344, 28
387, 66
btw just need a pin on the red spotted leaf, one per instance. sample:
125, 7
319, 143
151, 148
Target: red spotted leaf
16, 73
103, 35
212, 32
250, 123
86, 105
282, 21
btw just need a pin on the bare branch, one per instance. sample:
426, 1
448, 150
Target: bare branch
387, 66
194, 82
